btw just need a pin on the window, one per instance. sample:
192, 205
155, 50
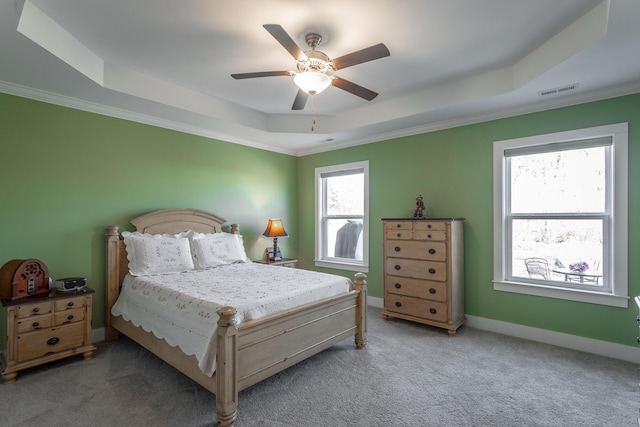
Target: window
560, 215
342, 216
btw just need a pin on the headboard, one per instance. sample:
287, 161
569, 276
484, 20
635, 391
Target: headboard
169, 221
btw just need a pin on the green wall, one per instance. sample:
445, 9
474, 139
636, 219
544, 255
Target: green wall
453, 169
66, 174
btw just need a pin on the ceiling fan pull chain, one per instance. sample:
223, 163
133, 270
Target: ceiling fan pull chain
313, 113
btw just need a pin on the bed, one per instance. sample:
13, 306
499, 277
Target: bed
246, 351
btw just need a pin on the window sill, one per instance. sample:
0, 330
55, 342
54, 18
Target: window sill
563, 293
358, 268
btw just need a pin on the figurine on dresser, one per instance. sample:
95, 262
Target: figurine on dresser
419, 212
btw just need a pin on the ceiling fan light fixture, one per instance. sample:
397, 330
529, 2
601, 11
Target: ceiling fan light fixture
312, 82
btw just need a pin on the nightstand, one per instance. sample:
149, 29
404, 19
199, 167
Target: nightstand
42, 329
284, 262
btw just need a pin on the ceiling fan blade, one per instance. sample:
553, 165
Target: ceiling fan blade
285, 40
353, 88
364, 55
260, 74
300, 101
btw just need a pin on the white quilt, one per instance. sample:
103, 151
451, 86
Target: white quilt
181, 307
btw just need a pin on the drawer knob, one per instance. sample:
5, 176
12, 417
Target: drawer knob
397, 267
398, 234
432, 251
70, 304
428, 236
53, 341
398, 304
398, 285
432, 271
432, 291
35, 324
398, 225
433, 311
397, 249
36, 309
428, 225
70, 317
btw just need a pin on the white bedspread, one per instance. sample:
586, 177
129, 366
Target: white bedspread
181, 307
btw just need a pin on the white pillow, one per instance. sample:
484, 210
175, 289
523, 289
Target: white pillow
157, 253
212, 250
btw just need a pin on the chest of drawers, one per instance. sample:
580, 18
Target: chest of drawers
424, 271
46, 328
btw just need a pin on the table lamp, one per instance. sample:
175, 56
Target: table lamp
274, 229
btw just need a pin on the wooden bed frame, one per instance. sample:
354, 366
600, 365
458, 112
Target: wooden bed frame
249, 352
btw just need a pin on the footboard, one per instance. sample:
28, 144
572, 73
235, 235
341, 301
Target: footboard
255, 350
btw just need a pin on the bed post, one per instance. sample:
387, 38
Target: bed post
361, 311
113, 274
226, 367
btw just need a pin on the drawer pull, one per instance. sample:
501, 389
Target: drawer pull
428, 236
35, 324
397, 249
398, 234
70, 304
433, 311
398, 285
53, 341
397, 267
36, 309
398, 304
70, 317
428, 225
432, 290
398, 225
432, 271
432, 251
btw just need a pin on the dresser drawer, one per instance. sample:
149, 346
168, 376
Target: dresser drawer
35, 309
418, 269
417, 307
431, 251
427, 225
34, 323
69, 316
32, 345
425, 289
69, 303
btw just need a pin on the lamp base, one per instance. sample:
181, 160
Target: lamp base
271, 256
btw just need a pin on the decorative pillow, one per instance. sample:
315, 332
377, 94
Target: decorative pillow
212, 250
157, 253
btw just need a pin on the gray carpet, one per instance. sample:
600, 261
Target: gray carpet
408, 375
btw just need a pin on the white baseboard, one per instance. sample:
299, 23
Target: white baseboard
588, 345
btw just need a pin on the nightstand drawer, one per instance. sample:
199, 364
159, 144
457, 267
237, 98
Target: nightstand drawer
35, 323
69, 303
69, 316
32, 345
34, 309
418, 269
417, 307
431, 251
425, 289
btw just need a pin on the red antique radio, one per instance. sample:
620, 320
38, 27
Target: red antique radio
23, 278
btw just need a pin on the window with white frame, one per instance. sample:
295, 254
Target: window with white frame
342, 211
560, 215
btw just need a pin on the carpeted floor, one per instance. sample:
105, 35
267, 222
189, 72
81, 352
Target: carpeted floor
408, 375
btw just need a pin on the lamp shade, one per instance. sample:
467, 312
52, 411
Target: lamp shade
312, 82
275, 229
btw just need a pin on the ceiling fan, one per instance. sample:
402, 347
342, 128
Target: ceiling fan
314, 68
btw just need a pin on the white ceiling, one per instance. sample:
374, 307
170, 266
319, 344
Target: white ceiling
168, 63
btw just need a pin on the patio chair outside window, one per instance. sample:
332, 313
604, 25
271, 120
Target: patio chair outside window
537, 267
